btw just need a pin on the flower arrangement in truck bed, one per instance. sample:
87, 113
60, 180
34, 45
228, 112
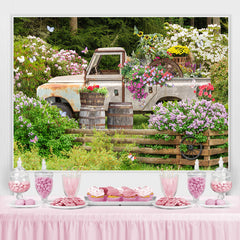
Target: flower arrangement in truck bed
138, 77
189, 117
179, 51
150, 47
94, 89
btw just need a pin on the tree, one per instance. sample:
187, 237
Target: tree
74, 24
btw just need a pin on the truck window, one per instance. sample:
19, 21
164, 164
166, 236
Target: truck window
108, 64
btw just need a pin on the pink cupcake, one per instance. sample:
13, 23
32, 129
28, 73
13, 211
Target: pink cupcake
113, 194
95, 194
129, 194
105, 189
144, 193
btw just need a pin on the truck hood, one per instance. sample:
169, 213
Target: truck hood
68, 79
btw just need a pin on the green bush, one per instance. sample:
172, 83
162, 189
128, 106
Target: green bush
219, 79
30, 55
38, 123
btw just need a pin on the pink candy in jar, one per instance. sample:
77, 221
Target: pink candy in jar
196, 182
221, 187
44, 182
43, 186
19, 180
19, 187
221, 180
196, 186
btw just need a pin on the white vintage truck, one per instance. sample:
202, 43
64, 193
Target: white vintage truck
63, 91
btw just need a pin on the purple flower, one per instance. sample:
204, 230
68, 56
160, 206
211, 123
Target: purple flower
34, 140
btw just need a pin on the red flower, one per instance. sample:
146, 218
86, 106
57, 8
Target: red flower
194, 91
205, 93
96, 86
213, 99
200, 93
210, 95
90, 88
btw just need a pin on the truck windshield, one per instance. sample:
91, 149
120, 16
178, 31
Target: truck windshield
106, 64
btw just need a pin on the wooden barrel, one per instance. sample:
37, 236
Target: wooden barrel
120, 115
92, 117
92, 99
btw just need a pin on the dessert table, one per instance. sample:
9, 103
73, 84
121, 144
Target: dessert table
119, 223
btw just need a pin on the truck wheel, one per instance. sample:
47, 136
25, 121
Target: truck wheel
64, 108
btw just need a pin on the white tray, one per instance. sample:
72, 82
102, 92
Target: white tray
172, 207
68, 207
120, 203
227, 205
13, 205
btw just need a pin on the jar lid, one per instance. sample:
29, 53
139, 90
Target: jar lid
19, 171
44, 170
221, 169
196, 171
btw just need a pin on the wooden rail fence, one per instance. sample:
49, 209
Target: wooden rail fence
210, 149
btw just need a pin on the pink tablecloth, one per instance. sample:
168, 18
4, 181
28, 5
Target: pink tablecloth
121, 222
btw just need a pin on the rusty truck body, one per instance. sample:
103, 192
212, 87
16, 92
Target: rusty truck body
63, 91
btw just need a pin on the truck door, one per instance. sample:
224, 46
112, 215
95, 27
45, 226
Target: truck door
104, 71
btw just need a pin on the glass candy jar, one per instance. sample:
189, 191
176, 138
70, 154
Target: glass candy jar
196, 182
221, 182
71, 183
19, 180
44, 182
169, 183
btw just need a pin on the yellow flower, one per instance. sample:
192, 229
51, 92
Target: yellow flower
179, 50
147, 37
155, 37
140, 34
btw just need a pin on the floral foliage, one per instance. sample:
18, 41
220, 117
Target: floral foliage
205, 92
219, 78
35, 62
189, 117
179, 51
37, 123
146, 49
138, 77
206, 44
94, 88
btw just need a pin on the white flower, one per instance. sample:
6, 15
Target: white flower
16, 70
21, 59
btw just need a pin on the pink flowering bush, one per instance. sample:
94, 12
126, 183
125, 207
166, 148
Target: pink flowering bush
189, 117
138, 77
35, 62
66, 62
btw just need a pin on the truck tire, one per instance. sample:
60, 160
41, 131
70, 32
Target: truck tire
64, 108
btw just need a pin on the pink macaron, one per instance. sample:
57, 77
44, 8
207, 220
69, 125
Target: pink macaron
30, 202
20, 202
